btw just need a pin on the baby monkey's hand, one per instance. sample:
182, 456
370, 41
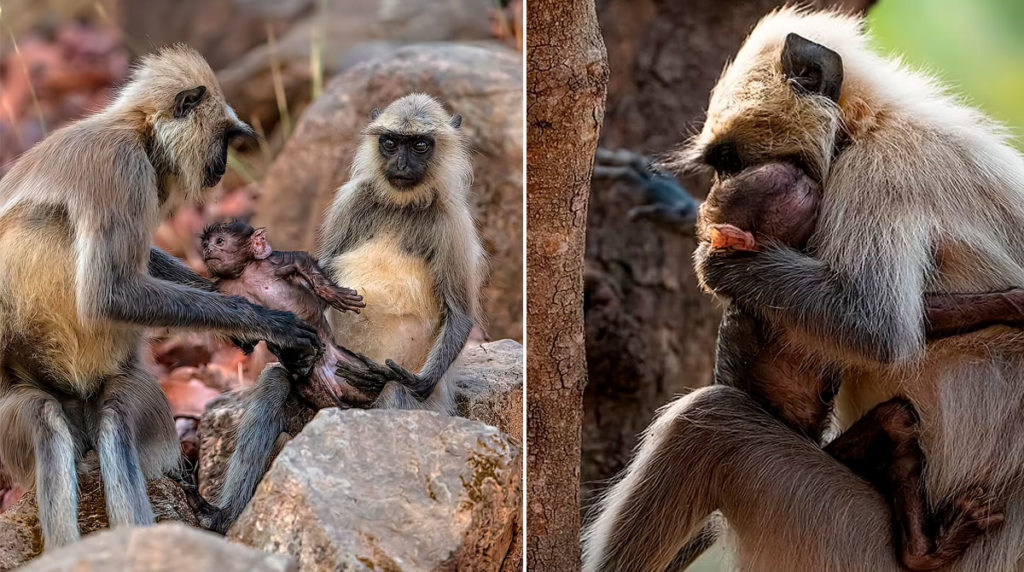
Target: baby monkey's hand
729, 237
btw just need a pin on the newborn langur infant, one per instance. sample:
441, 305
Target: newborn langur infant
778, 202
775, 201
242, 262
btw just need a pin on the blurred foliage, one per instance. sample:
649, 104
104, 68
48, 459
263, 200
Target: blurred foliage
974, 46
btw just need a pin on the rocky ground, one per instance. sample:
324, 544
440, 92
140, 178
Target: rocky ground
350, 489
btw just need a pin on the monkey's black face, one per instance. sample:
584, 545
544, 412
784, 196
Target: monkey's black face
218, 164
406, 158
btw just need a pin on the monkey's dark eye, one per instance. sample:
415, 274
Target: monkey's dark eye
220, 241
421, 146
388, 144
724, 159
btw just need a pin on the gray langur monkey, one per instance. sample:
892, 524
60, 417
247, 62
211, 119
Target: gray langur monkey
401, 232
80, 282
921, 197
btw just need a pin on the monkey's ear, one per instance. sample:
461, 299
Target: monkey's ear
456, 121
812, 67
374, 114
259, 244
188, 100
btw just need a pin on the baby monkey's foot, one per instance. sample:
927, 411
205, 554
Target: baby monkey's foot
729, 237
970, 516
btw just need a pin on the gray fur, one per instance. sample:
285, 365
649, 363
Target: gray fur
261, 424
77, 213
926, 196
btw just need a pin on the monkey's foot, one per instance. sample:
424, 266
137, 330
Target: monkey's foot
210, 516
971, 516
729, 237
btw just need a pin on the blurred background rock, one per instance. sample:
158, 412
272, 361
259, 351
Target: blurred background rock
62, 59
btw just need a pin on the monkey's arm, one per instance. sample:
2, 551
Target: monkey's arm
862, 313
954, 314
166, 267
112, 248
302, 264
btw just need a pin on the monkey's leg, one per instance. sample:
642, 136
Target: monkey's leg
952, 314
261, 424
883, 448
126, 418
787, 501
38, 443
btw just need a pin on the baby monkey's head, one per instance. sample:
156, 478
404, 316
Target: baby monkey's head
228, 247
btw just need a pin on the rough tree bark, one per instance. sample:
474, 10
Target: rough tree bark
567, 74
650, 331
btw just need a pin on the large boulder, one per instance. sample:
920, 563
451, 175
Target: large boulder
158, 548
391, 490
349, 33
221, 30
489, 386
21, 537
217, 435
484, 84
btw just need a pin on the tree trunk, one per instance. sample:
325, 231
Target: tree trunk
650, 331
567, 74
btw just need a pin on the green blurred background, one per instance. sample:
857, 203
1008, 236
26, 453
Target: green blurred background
975, 46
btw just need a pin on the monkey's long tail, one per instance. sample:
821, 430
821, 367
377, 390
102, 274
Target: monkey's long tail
697, 545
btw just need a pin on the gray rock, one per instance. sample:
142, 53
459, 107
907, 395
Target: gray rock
21, 537
489, 386
351, 32
217, 435
409, 490
166, 547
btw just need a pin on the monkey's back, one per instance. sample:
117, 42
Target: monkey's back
402, 311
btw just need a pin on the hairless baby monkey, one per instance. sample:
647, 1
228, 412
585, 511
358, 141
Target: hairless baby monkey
242, 262
778, 202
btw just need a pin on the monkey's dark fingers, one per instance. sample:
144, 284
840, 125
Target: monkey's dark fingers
404, 375
364, 379
287, 330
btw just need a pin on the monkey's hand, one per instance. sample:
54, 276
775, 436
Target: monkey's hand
729, 237
370, 377
363, 373
285, 331
342, 299
720, 270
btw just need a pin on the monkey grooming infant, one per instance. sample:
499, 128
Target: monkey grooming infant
242, 262
778, 203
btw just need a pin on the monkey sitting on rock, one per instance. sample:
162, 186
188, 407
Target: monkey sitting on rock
242, 263
778, 203
401, 230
